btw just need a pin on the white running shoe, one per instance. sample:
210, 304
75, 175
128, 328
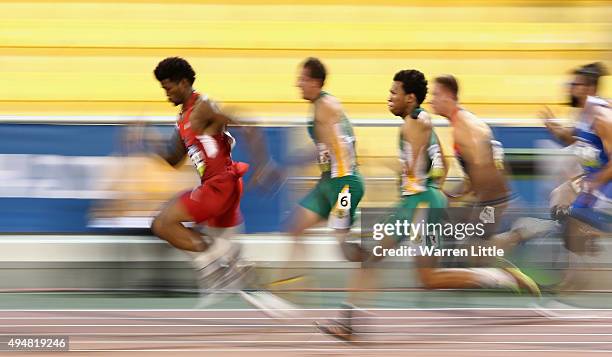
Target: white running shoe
226, 281
224, 274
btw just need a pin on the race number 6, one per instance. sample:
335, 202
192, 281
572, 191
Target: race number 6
344, 199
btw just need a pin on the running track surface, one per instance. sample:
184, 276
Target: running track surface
385, 332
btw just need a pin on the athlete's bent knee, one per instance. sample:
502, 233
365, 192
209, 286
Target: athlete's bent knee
157, 226
161, 224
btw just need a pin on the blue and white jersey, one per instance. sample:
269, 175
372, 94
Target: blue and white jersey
594, 208
589, 148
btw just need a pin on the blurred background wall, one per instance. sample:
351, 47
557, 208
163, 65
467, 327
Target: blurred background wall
86, 60
97, 57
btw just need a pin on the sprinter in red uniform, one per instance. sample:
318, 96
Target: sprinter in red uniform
201, 134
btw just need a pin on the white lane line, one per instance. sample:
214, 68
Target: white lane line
310, 325
342, 350
327, 309
209, 334
305, 318
342, 342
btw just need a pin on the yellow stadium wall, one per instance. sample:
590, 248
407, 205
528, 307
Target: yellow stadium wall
96, 58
